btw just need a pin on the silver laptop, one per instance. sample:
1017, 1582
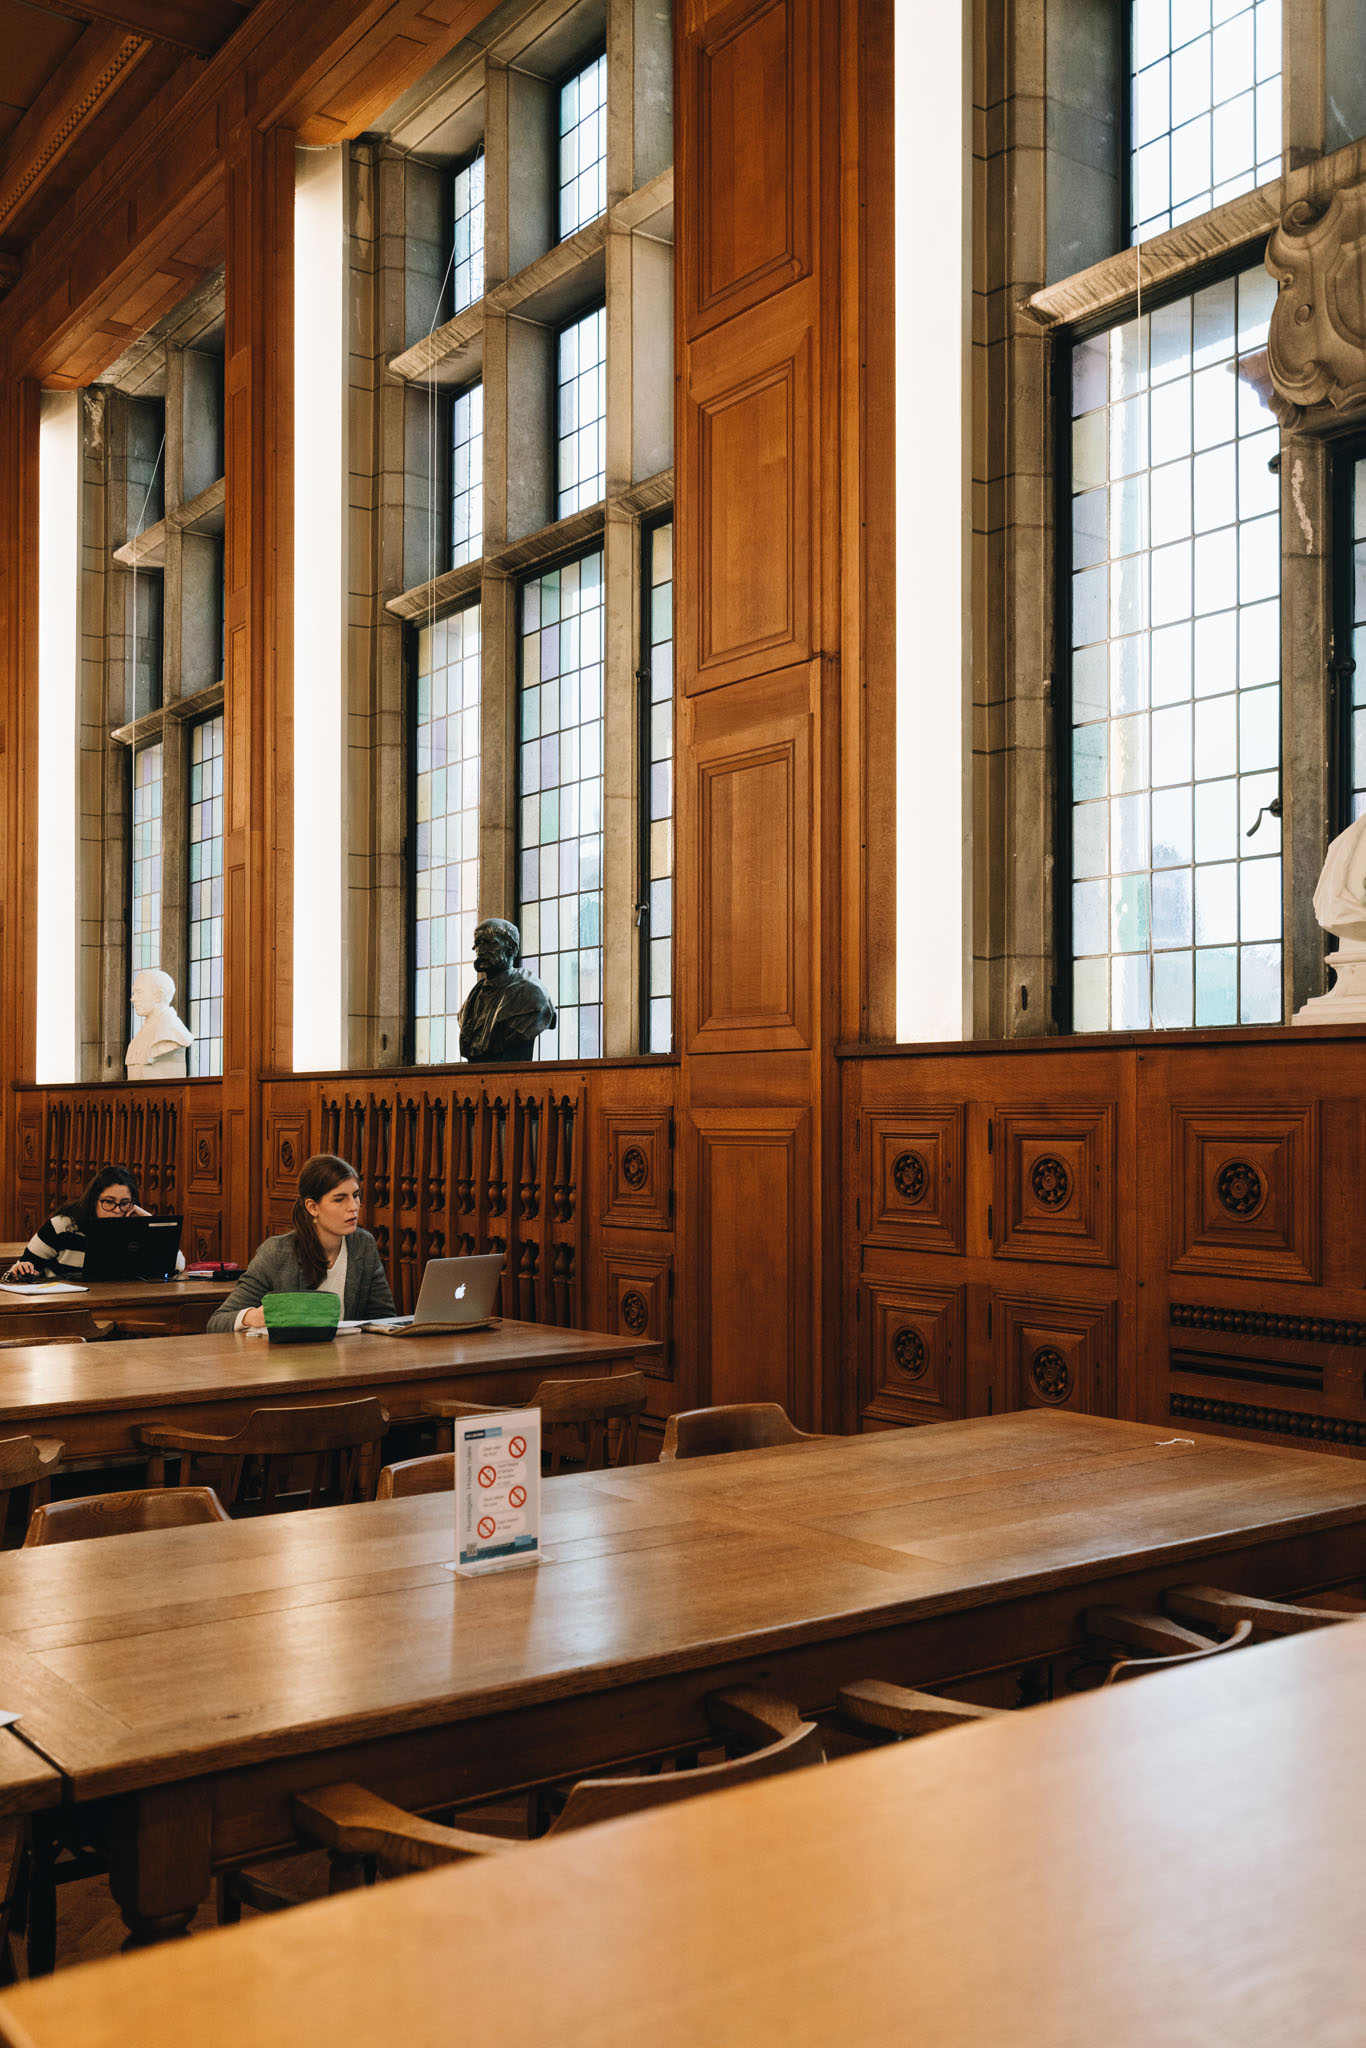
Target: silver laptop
456, 1294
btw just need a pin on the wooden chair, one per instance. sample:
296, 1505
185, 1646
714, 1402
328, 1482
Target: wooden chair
57, 1326
26, 1461
734, 1426
1215, 1609
123, 1514
1162, 1643
577, 1418
410, 1476
893, 1713
364, 1834
58, 1852
335, 1443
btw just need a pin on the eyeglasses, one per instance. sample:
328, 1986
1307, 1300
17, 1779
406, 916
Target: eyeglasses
115, 1205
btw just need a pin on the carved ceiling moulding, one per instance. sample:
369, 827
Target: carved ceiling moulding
1316, 349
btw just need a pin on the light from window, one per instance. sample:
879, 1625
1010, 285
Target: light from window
145, 924
206, 896
1206, 106
581, 444
560, 790
658, 820
467, 476
467, 263
446, 867
1175, 601
1357, 749
583, 147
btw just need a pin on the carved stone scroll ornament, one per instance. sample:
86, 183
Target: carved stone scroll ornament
1316, 348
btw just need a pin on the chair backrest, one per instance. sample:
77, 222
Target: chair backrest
787, 1743
54, 1326
1162, 1643
292, 1432
27, 1460
733, 1426
410, 1476
1215, 1608
123, 1514
576, 1416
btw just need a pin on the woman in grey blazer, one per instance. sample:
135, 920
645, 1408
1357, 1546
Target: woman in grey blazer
326, 1250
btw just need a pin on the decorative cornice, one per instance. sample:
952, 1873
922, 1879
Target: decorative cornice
58, 138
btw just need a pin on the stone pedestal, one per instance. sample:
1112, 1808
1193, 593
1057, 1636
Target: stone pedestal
1345, 1002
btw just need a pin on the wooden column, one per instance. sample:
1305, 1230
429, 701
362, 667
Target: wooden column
19, 401
761, 851
258, 700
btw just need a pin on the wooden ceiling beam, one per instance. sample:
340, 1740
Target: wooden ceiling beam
77, 89
199, 26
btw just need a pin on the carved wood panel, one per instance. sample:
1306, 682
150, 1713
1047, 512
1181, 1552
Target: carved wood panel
751, 974
287, 1148
913, 1178
1056, 1354
753, 1258
749, 473
29, 1137
913, 1361
640, 1302
204, 1164
744, 99
1245, 1192
1055, 1184
638, 1156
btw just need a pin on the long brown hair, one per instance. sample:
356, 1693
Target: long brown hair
318, 1176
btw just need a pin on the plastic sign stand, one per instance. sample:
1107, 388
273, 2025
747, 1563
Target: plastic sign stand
497, 1490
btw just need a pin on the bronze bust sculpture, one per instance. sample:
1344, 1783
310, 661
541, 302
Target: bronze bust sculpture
506, 1011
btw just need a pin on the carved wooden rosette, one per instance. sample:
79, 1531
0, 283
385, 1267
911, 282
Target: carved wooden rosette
1316, 349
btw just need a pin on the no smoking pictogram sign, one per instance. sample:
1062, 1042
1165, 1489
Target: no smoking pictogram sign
487, 1475
487, 1526
517, 1497
517, 1447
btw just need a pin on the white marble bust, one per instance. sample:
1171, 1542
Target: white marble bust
1340, 907
157, 1050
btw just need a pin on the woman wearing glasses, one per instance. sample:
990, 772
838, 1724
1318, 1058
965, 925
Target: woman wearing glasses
56, 1250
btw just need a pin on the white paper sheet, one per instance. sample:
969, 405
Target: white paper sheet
41, 1287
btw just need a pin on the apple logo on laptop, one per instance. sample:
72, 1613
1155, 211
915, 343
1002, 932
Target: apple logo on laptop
460, 1292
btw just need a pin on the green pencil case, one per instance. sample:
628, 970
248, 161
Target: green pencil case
301, 1318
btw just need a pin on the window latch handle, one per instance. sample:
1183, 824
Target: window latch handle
1275, 809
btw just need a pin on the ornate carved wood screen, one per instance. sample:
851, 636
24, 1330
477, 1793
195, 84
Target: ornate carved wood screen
1165, 1229
169, 1138
569, 1172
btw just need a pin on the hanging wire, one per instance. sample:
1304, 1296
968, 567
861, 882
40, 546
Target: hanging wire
431, 450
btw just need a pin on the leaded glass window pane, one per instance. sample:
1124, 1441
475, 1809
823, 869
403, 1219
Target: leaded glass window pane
1206, 106
583, 147
206, 895
658, 795
144, 934
581, 434
446, 866
560, 800
1175, 667
467, 476
467, 255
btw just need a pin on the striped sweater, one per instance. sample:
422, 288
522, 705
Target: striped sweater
58, 1247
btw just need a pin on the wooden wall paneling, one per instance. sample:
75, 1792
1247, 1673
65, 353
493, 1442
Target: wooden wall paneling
1056, 1353
746, 841
913, 1360
749, 489
19, 407
1245, 1190
1054, 1183
747, 112
913, 1177
752, 1247
258, 706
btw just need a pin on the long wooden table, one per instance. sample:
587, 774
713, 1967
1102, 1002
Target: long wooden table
1178, 1861
92, 1398
186, 1682
174, 1305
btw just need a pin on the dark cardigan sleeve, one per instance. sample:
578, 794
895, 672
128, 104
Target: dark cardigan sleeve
375, 1298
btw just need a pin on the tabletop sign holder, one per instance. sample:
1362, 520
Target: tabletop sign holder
498, 1490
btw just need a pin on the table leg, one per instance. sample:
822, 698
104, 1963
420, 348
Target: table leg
159, 1860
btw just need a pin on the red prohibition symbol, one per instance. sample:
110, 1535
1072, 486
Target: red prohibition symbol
487, 1525
517, 1497
516, 1446
487, 1475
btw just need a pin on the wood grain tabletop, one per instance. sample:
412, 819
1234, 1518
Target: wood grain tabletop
103, 1296
1179, 1861
92, 1396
